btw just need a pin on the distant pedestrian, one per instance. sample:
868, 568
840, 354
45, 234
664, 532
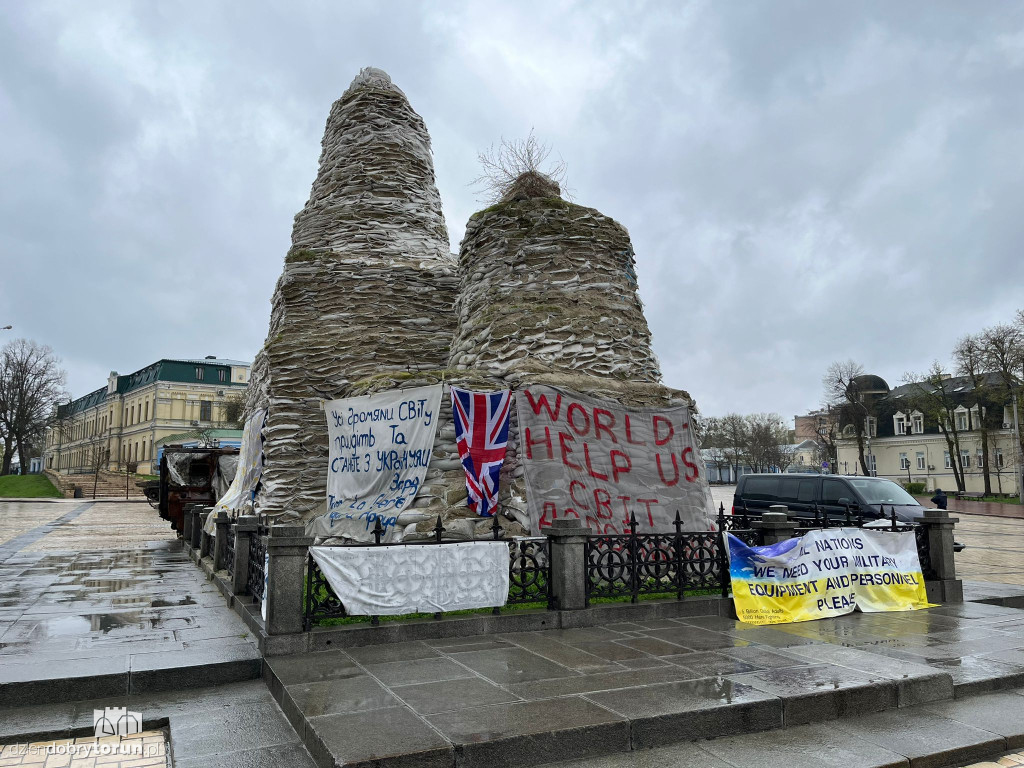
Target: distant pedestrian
940, 499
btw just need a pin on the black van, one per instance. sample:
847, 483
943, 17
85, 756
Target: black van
866, 496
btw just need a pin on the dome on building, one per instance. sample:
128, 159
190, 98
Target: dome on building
869, 383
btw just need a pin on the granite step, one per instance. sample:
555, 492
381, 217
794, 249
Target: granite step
64, 680
931, 735
529, 698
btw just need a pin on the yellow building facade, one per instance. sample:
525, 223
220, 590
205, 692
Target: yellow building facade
124, 421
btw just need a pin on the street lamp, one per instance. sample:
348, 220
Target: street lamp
6, 328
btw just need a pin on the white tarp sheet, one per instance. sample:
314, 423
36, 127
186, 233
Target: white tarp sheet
425, 578
379, 449
600, 462
247, 472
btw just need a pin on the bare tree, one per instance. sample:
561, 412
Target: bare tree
843, 394
932, 395
766, 444
734, 441
969, 355
31, 384
515, 168
1002, 351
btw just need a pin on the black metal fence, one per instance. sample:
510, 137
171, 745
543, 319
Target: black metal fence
529, 574
617, 566
256, 576
229, 552
634, 564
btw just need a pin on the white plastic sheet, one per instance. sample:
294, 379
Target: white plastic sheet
417, 578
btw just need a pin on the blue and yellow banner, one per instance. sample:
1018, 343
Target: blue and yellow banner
826, 573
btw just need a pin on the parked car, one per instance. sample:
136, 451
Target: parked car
872, 498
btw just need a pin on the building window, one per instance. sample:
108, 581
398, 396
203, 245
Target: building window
962, 421
143, 457
904, 461
872, 465
147, 410
946, 460
981, 459
199, 373
205, 410
222, 375
872, 426
900, 423
920, 460
999, 457
965, 459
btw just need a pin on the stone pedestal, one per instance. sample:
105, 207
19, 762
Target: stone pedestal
567, 541
775, 525
940, 573
244, 528
287, 550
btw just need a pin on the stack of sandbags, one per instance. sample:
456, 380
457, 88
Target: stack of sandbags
368, 285
550, 286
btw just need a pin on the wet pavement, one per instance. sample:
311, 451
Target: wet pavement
635, 685
99, 598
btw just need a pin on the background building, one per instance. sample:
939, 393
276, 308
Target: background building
929, 432
123, 421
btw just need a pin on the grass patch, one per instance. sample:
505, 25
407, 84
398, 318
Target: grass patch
537, 606
27, 487
998, 500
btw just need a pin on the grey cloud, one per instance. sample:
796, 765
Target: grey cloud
802, 181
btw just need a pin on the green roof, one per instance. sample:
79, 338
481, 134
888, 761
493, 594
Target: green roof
176, 371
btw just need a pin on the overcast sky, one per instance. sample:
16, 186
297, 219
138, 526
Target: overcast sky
803, 182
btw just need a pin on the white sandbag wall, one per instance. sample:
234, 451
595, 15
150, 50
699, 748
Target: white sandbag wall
368, 285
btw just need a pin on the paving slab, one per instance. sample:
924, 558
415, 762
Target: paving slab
358, 739
821, 746
691, 709
822, 691
1001, 713
927, 740
450, 695
513, 665
528, 733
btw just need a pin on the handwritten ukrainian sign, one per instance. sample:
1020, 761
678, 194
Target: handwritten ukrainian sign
380, 447
826, 573
599, 462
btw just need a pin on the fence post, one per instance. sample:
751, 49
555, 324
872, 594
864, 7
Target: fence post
220, 541
186, 524
567, 539
244, 528
198, 519
775, 525
944, 586
287, 549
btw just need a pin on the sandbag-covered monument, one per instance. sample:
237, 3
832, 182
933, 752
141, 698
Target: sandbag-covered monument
542, 300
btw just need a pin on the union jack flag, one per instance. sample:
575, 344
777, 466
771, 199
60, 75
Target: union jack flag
481, 432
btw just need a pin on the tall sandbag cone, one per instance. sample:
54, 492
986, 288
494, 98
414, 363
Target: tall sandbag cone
368, 285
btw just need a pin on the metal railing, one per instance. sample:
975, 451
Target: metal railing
256, 576
634, 564
818, 519
529, 574
229, 551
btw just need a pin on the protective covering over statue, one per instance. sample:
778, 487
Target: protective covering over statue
367, 287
